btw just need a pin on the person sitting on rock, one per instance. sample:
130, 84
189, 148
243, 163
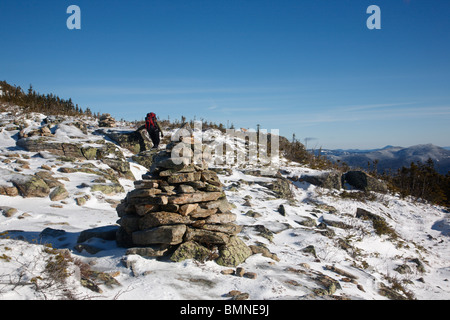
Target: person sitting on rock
153, 128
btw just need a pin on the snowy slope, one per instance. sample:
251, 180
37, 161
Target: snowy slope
360, 262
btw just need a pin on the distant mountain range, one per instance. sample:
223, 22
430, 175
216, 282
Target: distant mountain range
392, 157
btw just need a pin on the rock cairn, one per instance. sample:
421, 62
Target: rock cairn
106, 120
179, 210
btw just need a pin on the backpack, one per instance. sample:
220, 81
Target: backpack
150, 121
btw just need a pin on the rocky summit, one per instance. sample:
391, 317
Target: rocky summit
179, 210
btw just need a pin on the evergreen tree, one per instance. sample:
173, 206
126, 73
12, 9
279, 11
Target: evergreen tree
31, 101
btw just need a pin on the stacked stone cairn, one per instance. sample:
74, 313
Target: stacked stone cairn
179, 210
106, 120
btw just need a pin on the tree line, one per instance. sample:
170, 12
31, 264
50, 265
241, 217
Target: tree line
32, 101
421, 181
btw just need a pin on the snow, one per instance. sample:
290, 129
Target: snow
423, 231
65, 132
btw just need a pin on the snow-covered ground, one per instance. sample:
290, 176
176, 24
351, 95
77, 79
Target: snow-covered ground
361, 262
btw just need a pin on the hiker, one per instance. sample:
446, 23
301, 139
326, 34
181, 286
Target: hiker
153, 129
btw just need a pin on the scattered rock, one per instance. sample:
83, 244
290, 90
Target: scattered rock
108, 188
237, 295
419, 265
227, 272
329, 285
336, 224
390, 293
263, 232
308, 222
8, 211
327, 208
30, 186
250, 275
311, 250
239, 272
81, 201
253, 214
379, 223
46, 167
261, 248
53, 233
403, 269
282, 210
87, 283
9, 191
341, 272
59, 193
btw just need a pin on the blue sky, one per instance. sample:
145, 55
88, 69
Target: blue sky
311, 68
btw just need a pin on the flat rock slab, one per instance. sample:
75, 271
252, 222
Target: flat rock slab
160, 235
156, 219
195, 197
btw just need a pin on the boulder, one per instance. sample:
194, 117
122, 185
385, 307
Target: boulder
367, 215
108, 188
9, 191
362, 181
190, 250
120, 165
328, 180
30, 186
52, 233
281, 187
56, 147
145, 158
135, 141
37, 144
106, 233
59, 193
8, 211
233, 253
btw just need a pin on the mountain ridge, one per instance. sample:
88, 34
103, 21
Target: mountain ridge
392, 157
